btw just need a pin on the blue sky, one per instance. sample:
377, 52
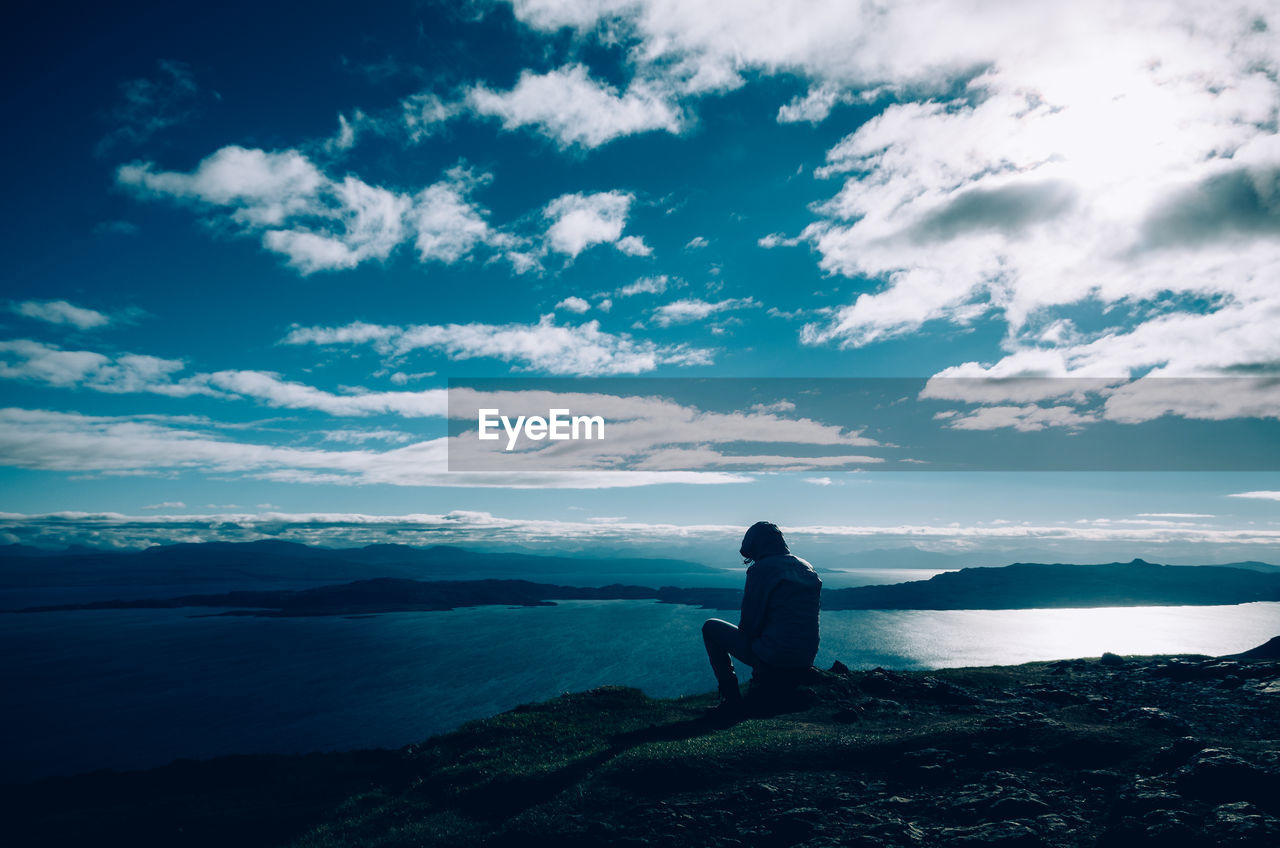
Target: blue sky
248, 247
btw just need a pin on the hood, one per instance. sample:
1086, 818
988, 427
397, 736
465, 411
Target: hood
790, 568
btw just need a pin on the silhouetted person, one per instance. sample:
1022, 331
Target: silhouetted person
778, 628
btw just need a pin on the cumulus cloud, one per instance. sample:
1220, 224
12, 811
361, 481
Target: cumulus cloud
574, 304
579, 221
1031, 160
61, 312
545, 346
633, 246
446, 224
573, 109
1122, 161
688, 310
645, 285
322, 224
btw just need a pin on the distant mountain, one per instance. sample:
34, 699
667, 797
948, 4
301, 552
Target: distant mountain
1018, 586
273, 561
1033, 585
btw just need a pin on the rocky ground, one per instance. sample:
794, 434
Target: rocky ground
1117, 751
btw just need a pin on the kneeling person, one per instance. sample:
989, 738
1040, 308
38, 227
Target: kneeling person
778, 627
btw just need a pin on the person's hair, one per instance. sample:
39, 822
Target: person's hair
763, 539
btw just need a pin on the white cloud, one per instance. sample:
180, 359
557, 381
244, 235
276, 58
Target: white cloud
130, 445
320, 224
696, 242
633, 246
61, 312
24, 359
813, 107
579, 221
773, 240
574, 304
425, 113
448, 227
274, 391
1023, 418
574, 110
689, 310
545, 346
1260, 495
166, 505
1032, 159
473, 527
645, 285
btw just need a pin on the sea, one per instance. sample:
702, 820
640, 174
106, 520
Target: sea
132, 689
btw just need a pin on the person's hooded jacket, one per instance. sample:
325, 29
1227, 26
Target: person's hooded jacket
780, 603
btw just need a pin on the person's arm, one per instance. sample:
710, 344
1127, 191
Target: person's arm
754, 601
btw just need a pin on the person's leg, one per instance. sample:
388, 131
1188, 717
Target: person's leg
723, 642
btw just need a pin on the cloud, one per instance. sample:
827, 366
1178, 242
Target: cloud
424, 114
1260, 495
447, 225
572, 109
644, 285
814, 106
579, 221
696, 242
545, 346
166, 505
1025, 419
1121, 163
1030, 163
320, 224
633, 246
773, 240
130, 445
574, 304
28, 360
462, 527
24, 359
61, 312
151, 104
270, 389
688, 310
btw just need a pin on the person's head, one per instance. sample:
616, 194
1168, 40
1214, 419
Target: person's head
763, 539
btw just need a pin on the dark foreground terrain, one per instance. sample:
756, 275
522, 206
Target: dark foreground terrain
1132, 751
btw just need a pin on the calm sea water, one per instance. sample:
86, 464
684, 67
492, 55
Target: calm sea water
137, 688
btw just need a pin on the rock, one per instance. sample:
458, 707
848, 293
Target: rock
1177, 753
1159, 719
794, 825
1005, 834
1113, 660
1216, 775
1241, 823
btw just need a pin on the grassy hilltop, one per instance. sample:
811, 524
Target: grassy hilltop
1111, 751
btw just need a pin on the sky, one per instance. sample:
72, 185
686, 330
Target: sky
249, 249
